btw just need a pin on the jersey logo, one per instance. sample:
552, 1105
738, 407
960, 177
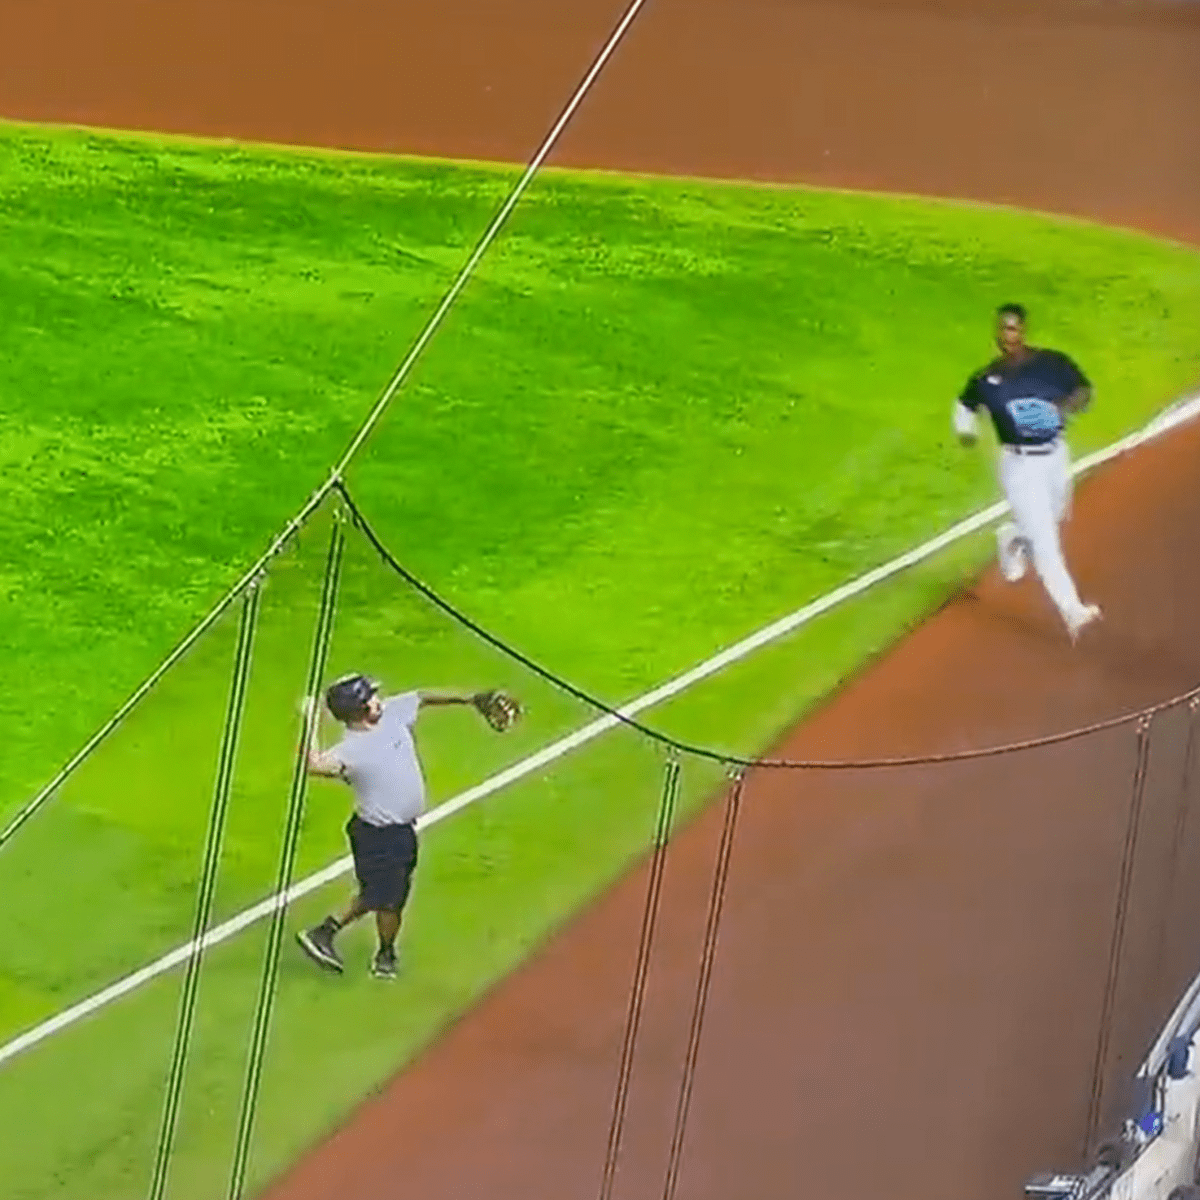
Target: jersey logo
1037, 419
993, 379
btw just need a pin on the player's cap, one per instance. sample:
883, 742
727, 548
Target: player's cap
349, 696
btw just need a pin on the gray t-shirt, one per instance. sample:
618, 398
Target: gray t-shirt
382, 765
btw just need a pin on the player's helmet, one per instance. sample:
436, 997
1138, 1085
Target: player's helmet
349, 696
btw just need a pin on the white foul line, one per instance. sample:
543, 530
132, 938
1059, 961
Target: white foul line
1178, 413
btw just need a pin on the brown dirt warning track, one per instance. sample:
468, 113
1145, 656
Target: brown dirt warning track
912, 963
1080, 106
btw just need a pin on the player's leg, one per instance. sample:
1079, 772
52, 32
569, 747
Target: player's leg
1061, 482
1061, 487
1031, 493
387, 920
387, 925
319, 941
1012, 538
1012, 550
351, 913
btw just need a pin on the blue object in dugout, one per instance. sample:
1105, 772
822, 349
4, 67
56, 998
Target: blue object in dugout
1150, 1124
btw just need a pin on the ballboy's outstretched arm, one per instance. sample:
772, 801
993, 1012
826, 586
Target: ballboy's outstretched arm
441, 696
498, 709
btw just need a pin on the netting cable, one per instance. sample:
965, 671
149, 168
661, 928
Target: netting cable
364, 431
226, 764
1178, 832
708, 955
729, 760
1124, 885
287, 861
662, 833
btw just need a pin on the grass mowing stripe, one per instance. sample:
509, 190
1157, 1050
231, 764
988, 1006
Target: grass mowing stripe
243, 656
287, 862
364, 431
1176, 414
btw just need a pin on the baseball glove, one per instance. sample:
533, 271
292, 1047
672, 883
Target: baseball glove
499, 710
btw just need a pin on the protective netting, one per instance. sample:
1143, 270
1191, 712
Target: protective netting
828, 945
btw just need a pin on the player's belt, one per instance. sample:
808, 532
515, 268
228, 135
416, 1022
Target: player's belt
1038, 448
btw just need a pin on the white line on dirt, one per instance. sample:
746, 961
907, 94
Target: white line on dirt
1176, 414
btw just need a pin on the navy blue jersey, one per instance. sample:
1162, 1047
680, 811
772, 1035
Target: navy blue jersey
1025, 399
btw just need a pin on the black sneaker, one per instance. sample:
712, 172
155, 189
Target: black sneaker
317, 943
384, 964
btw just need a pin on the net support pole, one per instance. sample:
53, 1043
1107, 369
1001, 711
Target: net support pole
214, 841
666, 812
287, 862
1116, 946
716, 905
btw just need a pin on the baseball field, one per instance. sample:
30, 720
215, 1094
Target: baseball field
665, 411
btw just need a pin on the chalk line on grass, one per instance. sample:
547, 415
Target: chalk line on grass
1176, 414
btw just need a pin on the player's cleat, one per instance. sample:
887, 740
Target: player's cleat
317, 943
383, 966
1014, 559
1085, 616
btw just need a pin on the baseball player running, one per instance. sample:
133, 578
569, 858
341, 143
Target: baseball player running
1028, 393
378, 758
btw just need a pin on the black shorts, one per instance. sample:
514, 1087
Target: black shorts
385, 857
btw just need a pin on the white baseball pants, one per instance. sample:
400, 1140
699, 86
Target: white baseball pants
1038, 488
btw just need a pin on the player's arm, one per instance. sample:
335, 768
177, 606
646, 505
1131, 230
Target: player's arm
964, 419
320, 762
440, 698
1077, 386
965, 424
325, 763
498, 709
1077, 401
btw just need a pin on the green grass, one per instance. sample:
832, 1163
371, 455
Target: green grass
663, 414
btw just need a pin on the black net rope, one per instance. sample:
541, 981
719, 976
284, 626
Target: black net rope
637, 994
207, 889
287, 862
1179, 831
732, 760
708, 955
1116, 947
